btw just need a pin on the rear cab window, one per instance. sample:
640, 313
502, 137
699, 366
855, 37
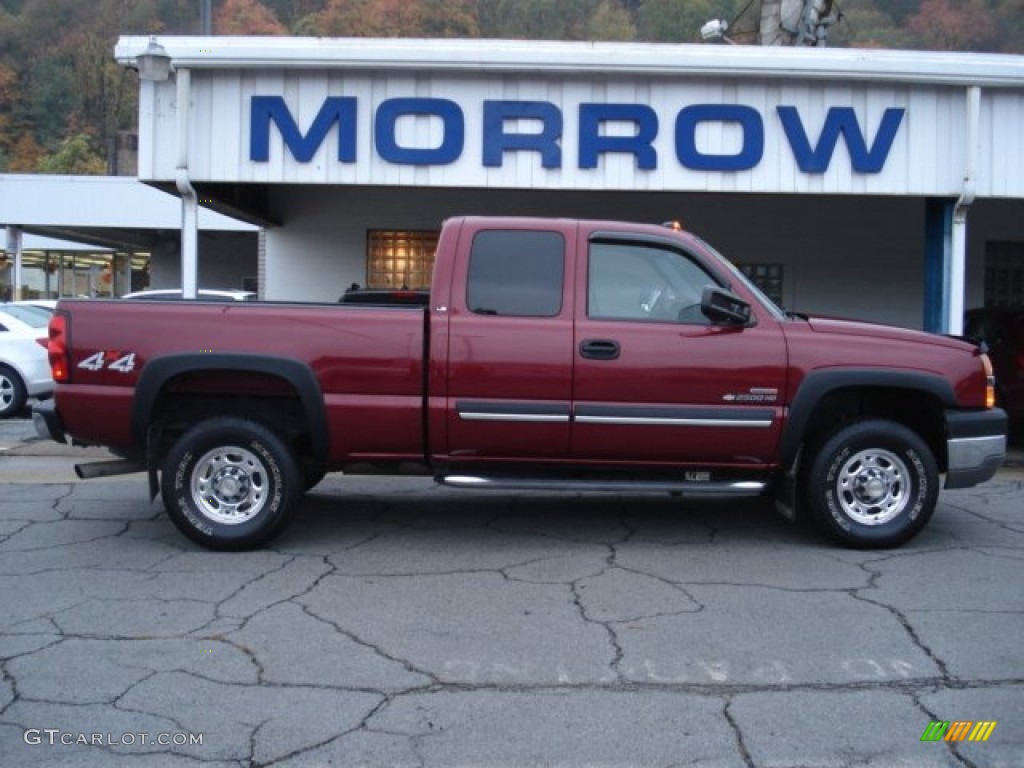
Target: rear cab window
516, 273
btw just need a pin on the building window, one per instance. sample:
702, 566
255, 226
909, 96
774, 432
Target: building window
400, 258
1004, 274
767, 277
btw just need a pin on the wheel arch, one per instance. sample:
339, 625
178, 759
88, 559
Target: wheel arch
157, 375
868, 393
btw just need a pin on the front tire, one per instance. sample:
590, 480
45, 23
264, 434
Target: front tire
872, 484
12, 392
230, 484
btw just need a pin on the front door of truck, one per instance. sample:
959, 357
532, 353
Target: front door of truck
655, 381
510, 342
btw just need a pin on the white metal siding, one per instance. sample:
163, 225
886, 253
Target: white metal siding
926, 158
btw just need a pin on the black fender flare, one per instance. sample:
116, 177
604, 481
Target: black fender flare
818, 384
156, 373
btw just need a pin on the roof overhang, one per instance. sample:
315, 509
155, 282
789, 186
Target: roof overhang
109, 211
600, 59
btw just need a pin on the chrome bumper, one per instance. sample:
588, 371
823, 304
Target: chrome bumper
975, 448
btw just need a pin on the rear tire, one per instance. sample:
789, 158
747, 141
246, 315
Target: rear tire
872, 484
12, 392
230, 484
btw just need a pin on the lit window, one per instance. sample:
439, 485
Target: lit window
400, 258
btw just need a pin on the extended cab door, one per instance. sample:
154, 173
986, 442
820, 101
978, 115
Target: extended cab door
655, 380
510, 340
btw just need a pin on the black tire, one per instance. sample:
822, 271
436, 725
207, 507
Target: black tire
230, 484
872, 484
12, 392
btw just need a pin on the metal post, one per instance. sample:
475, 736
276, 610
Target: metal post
205, 18
189, 200
14, 253
958, 263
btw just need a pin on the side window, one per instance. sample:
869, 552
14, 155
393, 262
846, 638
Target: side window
516, 272
631, 281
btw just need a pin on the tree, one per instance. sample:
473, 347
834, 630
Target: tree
75, 155
945, 25
246, 17
678, 21
25, 154
449, 18
611, 21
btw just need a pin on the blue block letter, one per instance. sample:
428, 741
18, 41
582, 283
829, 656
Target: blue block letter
497, 142
750, 122
388, 114
840, 120
592, 143
335, 109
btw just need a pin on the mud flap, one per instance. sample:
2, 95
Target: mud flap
787, 491
154, 436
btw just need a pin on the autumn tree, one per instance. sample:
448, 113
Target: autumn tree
953, 25
24, 154
246, 17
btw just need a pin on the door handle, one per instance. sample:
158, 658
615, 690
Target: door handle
599, 349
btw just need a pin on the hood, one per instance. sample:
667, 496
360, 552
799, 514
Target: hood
878, 331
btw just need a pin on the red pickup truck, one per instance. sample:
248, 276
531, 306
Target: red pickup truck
551, 354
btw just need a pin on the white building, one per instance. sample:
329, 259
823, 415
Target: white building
123, 236
878, 184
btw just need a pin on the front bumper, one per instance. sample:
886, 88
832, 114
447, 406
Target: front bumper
975, 446
47, 421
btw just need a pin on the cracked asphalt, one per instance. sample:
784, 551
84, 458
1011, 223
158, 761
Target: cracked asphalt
400, 624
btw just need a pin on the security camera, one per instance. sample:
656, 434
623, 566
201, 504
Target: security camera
714, 29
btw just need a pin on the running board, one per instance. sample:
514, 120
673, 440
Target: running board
730, 488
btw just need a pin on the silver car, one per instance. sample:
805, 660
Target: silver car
24, 364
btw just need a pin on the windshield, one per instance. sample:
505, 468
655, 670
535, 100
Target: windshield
770, 305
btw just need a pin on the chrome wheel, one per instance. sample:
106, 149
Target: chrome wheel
230, 485
6, 393
873, 486
12, 392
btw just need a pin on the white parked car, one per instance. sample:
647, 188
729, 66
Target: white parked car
24, 365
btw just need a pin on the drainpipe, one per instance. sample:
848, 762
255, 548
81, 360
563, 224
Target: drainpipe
14, 255
958, 265
189, 201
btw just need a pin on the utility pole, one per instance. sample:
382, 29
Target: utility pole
770, 31
795, 22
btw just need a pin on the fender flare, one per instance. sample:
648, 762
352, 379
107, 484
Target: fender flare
818, 384
156, 373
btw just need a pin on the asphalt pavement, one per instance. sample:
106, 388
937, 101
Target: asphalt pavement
401, 624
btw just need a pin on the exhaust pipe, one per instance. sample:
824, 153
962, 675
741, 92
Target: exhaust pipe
109, 468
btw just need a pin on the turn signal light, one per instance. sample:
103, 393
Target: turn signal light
990, 382
57, 347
